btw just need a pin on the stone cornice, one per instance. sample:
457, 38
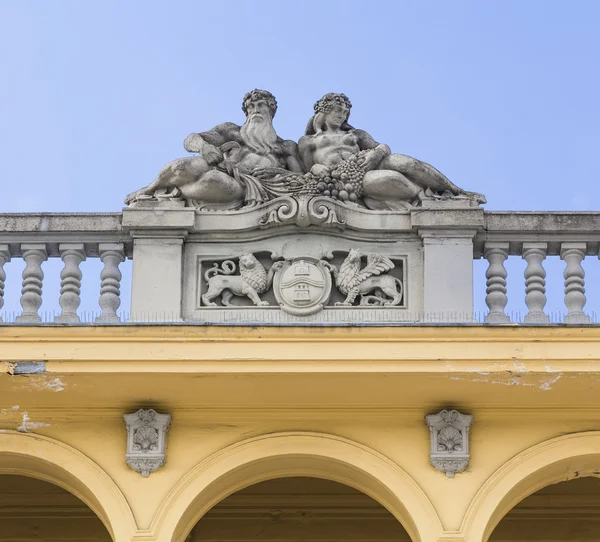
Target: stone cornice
223, 349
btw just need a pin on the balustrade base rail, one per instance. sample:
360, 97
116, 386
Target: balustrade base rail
480, 318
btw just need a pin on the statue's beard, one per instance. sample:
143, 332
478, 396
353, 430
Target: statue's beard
258, 133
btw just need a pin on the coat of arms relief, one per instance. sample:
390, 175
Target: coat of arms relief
304, 285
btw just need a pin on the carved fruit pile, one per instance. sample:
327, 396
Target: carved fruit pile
350, 176
344, 183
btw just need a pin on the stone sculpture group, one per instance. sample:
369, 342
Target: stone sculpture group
245, 166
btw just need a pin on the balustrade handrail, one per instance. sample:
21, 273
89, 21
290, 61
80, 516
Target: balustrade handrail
553, 227
494, 222
54, 228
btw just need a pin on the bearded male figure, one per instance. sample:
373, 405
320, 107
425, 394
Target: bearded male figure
234, 164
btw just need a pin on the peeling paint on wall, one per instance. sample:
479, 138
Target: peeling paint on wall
22, 419
11, 410
514, 377
55, 384
41, 382
27, 425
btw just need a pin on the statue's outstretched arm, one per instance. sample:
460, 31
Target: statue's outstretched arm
215, 137
208, 143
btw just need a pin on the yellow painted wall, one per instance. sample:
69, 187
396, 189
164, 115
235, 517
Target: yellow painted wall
346, 405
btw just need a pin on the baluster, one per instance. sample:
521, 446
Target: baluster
573, 254
496, 300
4, 258
33, 276
111, 254
70, 281
535, 282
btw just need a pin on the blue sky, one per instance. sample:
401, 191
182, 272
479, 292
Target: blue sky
501, 96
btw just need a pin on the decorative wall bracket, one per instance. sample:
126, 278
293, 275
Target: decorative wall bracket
449, 451
146, 440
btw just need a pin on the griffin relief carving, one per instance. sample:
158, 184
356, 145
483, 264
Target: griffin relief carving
371, 283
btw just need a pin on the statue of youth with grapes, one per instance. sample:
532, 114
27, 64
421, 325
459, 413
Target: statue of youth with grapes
352, 166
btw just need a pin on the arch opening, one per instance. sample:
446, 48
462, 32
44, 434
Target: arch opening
50, 461
561, 512
291, 455
562, 459
296, 509
32, 509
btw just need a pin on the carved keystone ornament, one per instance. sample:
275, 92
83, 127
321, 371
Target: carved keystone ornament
449, 450
146, 440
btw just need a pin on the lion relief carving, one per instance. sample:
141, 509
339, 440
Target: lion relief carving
252, 281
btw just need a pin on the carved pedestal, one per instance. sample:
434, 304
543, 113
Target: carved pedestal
302, 261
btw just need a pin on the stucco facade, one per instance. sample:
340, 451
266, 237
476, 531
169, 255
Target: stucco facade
345, 404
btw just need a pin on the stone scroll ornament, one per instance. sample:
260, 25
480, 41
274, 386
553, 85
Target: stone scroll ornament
449, 452
146, 440
239, 167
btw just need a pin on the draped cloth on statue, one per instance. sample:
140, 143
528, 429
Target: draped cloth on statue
259, 191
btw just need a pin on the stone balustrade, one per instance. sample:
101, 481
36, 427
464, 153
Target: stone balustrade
440, 252
71, 237
535, 236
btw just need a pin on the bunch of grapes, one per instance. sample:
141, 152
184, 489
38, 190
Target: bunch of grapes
310, 185
349, 176
343, 183
326, 186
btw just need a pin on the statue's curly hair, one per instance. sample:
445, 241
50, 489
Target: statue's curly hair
322, 106
329, 100
258, 94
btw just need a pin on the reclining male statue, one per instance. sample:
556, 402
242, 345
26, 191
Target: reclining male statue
234, 162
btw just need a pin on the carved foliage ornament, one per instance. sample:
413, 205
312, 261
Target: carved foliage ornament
146, 440
449, 450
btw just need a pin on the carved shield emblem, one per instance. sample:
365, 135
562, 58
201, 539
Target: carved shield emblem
302, 286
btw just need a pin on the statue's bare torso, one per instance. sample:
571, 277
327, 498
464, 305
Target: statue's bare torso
332, 148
